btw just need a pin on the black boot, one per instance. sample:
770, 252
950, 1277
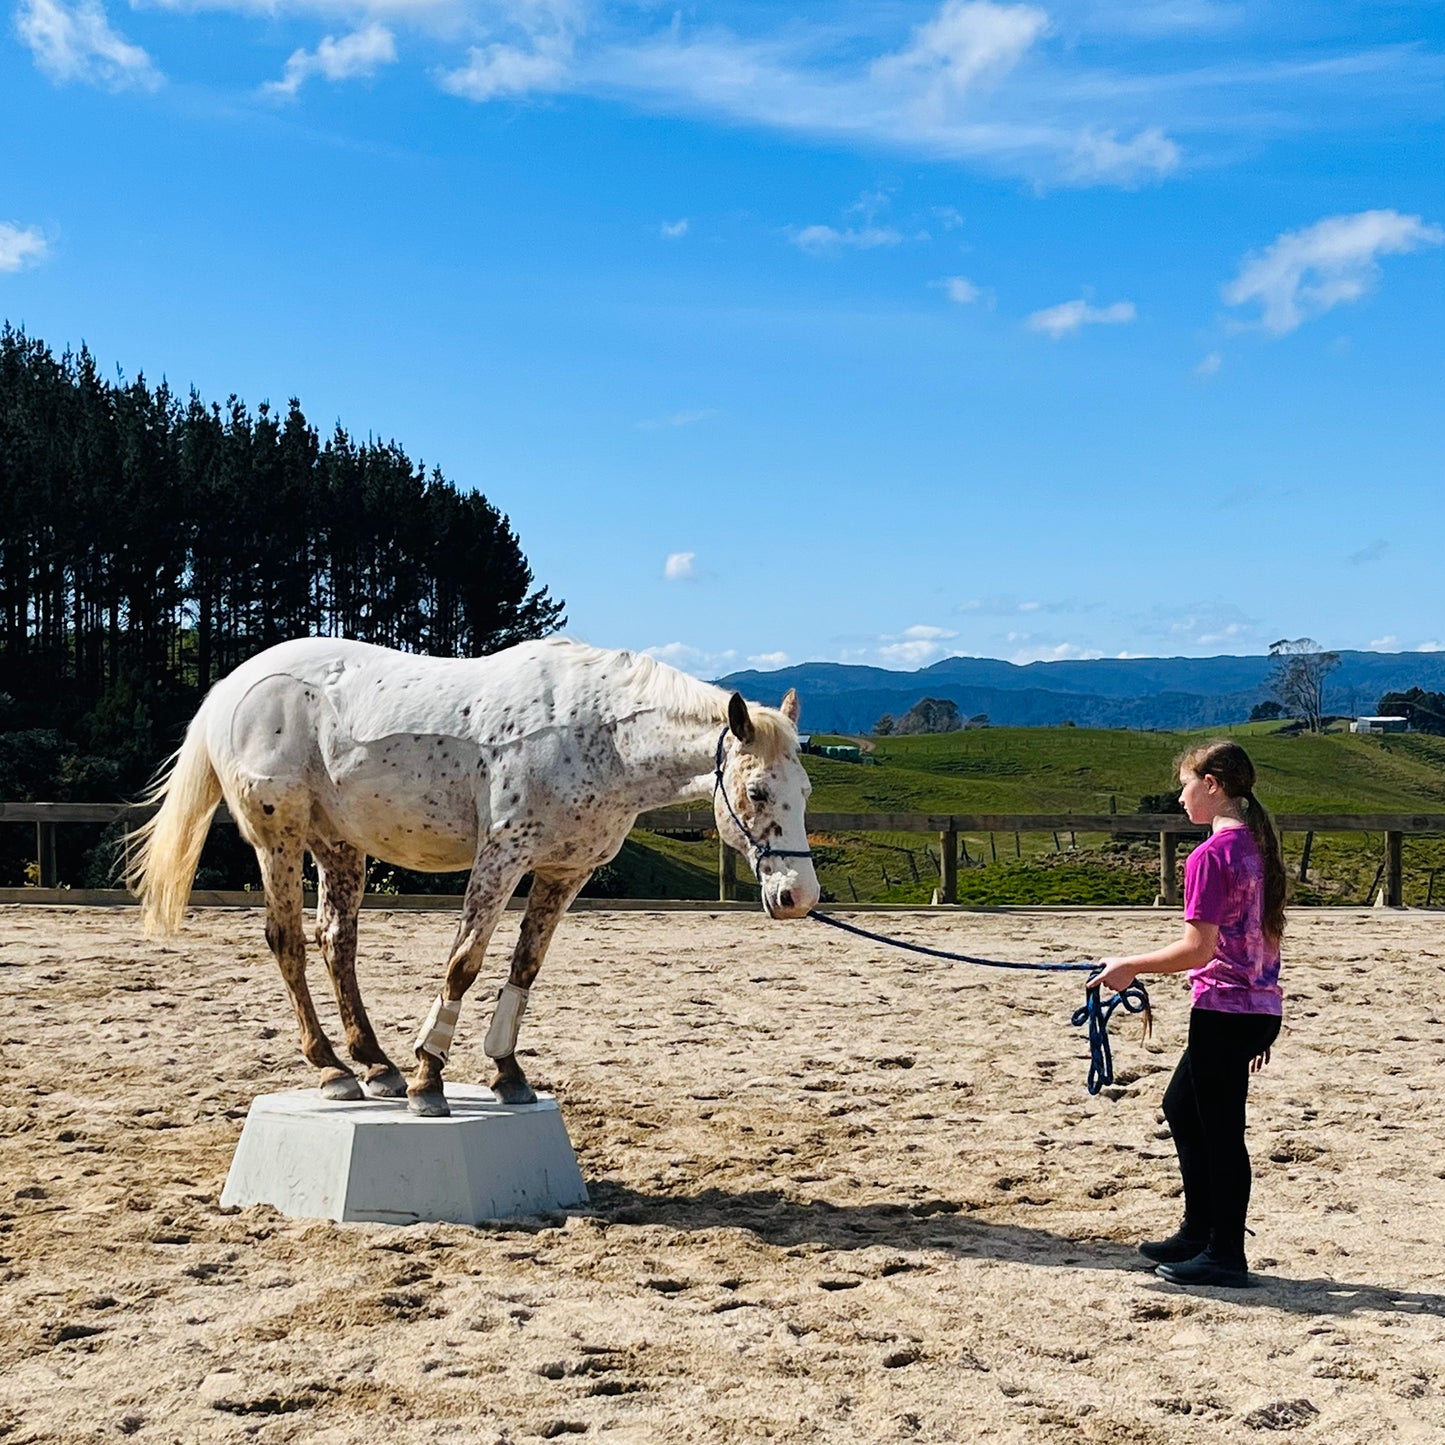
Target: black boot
1208, 1268
1183, 1244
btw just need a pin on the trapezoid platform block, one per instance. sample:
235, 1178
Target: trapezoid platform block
372, 1161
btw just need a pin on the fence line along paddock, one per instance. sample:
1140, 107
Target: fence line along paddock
948, 827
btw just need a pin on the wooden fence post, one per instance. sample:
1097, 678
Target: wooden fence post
1168, 885
1304, 862
948, 866
1394, 871
45, 855
727, 873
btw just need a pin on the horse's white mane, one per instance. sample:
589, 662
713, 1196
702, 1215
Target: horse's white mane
656, 686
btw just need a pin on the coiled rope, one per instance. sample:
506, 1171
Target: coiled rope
1134, 999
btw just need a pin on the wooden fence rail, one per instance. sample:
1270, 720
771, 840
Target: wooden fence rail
1167, 827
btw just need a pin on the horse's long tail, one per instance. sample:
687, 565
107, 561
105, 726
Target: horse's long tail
162, 854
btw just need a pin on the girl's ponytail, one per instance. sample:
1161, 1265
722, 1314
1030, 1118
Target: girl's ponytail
1229, 765
1276, 884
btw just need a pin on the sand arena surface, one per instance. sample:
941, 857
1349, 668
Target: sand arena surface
839, 1194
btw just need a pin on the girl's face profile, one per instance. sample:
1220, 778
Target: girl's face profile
1199, 796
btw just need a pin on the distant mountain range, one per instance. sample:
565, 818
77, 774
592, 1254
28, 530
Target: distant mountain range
1135, 692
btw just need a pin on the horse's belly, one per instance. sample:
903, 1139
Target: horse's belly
415, 812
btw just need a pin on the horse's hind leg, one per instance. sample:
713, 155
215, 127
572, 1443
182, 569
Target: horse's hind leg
341, 877
286, 935
549, 899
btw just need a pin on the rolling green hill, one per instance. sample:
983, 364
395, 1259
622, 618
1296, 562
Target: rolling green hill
1085, 770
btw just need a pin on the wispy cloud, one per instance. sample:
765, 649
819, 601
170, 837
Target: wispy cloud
1209, 365
769, 661
77, 42
1306, 273
680, 566
695, 660
915, 646
960, 289
352, 57
824, 240
945, 88
21, 246
677, 419
674, 230
1060, 321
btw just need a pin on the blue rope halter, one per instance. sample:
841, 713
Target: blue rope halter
756, 851
1134, 999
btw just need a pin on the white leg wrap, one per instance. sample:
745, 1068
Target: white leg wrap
501, 1039
439, 1029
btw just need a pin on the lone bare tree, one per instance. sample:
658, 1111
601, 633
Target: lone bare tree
1298, 680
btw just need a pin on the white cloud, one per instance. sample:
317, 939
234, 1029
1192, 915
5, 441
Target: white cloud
1388, 643
679, 566
677, 418
940, 93
674, 230
820, 240
352, 57
497, 70
1051, 651
1429, 647
1305, 273
76, 42
21, 246
1230, 632
963, 42
770, 661
1071, 316
915, 646
961, 289
1209, 365
694, 659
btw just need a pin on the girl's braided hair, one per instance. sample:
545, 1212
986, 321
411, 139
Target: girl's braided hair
1229, 765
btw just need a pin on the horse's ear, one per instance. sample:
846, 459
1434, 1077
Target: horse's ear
791, 708
738, 719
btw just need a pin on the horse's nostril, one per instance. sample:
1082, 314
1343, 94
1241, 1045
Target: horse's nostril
786, 898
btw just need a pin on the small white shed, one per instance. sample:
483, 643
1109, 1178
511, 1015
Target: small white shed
1380, 725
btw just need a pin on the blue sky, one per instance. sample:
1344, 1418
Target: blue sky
870, 332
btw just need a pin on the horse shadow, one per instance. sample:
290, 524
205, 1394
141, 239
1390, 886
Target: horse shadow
942, 1226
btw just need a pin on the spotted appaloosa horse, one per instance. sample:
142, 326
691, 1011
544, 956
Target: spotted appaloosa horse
537, 759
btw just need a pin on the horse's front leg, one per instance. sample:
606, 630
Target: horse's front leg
495, 874
341, 875
550, 898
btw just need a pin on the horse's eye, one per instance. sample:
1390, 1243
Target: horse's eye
757, 793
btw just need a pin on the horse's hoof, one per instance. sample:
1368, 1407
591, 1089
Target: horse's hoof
342, 1089
513, 1091
389, 1084
428, 1106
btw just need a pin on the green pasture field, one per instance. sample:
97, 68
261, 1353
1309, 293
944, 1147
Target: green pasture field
1088, 770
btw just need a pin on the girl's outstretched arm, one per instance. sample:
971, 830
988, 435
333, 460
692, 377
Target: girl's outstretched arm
1193, 950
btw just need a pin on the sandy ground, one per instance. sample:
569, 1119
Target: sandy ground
839, 1194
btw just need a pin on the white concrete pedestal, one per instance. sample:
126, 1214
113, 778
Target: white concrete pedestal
372, 1160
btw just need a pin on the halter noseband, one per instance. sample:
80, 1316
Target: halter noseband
758, 851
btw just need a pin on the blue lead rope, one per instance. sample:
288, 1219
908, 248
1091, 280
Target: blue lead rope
1135, 998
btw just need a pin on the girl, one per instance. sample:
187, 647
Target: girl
1234, 896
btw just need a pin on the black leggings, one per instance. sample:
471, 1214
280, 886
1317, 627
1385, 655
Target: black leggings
1204, 1105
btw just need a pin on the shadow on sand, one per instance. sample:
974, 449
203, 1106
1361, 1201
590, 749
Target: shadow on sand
942, 1225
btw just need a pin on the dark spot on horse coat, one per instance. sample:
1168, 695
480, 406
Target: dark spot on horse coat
268, 808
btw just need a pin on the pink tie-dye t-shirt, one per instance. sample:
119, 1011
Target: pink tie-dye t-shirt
1224, 885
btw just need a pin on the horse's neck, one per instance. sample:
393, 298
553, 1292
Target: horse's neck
667, 760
